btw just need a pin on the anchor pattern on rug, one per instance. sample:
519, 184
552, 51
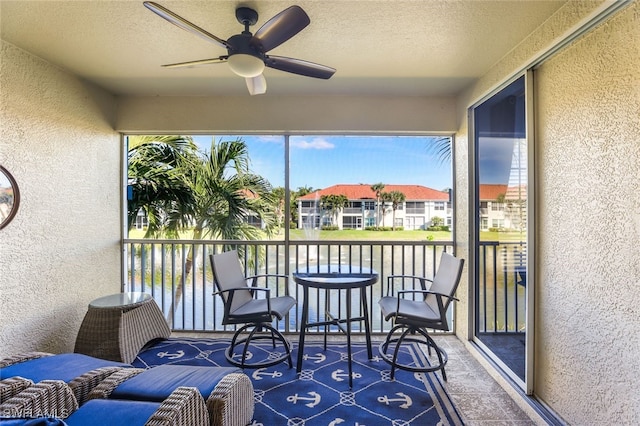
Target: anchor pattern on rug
341, 375
314, 399
404, 399
262, 372
317, 358
168, 355
320, 394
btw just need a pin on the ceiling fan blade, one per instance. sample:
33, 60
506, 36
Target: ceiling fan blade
183, 23
187, 64
298, 66
280, 28
257, 85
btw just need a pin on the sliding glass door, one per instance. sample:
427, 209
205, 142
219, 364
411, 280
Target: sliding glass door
503, 229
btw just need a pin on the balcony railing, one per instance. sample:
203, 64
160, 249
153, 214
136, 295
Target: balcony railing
177, 273
501, 287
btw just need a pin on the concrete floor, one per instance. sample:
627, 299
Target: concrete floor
480, 400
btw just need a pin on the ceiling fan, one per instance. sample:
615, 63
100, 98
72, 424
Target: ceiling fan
246, 52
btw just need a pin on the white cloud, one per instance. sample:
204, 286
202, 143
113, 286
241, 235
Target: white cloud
271, 139
315, 143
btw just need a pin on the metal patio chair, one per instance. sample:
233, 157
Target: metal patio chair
252, 306
414, 310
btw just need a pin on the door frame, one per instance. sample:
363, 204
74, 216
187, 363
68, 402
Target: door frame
474, 228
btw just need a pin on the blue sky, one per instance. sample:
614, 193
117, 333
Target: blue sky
320, 161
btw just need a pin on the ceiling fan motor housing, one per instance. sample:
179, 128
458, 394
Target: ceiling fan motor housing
241, 43
246, 16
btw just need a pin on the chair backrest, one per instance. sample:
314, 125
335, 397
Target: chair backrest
446, 280
228, 274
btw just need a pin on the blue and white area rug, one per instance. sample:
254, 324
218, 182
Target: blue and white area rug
320, 395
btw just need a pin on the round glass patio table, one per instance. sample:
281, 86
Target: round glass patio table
336, 277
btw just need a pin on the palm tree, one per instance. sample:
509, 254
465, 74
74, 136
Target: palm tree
440, 148
396, 198
378, 188
333, 204
225, 195
155, 177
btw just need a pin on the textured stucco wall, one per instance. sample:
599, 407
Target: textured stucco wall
587, 160
63, 248
546, 36
588, 299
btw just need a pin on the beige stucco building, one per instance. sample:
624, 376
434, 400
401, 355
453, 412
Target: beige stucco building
61, 138
420, 206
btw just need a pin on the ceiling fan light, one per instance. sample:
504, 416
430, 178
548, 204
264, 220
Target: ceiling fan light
246, 65
256, 85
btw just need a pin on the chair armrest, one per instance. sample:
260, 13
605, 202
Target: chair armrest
108, 385
254, 280
49, 398
231, 291
184, 407
232, 401
426, 292
85, 383
413, 278
15, 359
255, 277
12, 386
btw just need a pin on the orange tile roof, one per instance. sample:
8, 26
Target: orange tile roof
492, 191
364, 192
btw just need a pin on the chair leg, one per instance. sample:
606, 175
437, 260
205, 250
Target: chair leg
406, 336
257, 332
439, 352
273, 339
394, 363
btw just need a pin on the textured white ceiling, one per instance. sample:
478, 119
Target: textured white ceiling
392, 47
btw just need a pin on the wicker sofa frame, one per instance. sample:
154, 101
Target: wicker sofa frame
80, 386
226, 403
54, 398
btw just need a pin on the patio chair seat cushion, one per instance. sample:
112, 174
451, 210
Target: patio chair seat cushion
157, 383
65, 367
410, 310
112, 413
279, 307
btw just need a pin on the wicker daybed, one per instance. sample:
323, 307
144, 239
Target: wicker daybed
54, 399
227, 391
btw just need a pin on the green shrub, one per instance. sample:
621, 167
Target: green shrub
380, 228
438, 228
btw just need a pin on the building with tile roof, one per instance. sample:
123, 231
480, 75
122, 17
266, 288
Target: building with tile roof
502, 206
421, 205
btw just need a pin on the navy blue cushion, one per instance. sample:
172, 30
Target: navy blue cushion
111, 412
39, 421
157, 383
65, 367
